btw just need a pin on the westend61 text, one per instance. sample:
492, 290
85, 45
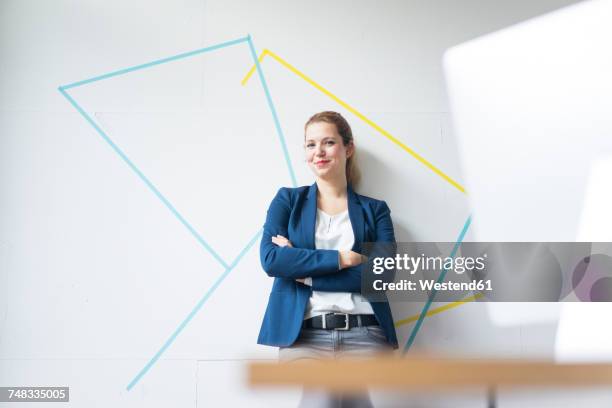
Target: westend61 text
404, 284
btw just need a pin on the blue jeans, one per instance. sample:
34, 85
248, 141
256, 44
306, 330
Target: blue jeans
331, 344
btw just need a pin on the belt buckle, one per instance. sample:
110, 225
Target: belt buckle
346, 319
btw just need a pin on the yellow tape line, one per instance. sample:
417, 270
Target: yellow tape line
440, 309
354, 111
379, 129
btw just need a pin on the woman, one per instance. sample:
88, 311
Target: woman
311, 246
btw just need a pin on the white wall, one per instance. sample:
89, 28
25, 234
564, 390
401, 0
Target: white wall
96, 272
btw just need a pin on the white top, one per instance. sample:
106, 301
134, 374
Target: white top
335, 232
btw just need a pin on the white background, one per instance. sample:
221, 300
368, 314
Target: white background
96, 273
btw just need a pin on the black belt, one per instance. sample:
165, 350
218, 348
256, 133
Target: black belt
340, 321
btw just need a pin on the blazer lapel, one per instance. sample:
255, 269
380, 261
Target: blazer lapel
310, 217
356, 216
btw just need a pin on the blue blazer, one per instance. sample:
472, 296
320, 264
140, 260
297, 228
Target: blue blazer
292, 214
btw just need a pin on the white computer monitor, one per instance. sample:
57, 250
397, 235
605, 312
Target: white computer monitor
532, 111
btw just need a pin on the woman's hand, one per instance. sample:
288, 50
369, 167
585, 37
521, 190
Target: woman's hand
281, 241
350, 258
347, 258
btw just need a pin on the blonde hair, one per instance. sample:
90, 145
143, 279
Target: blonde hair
344, 130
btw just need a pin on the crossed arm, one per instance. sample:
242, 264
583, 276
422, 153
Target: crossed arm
330, 270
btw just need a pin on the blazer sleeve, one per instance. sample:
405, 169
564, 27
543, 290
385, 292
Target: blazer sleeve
288, 262
349, 279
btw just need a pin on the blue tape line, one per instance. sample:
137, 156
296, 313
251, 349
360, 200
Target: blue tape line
228, 268
191, 314
273, 110
419, 322
184, 323
143, 178
156, 62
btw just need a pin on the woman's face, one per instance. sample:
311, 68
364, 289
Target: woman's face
326, 155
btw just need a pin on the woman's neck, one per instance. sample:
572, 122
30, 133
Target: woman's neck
331, 189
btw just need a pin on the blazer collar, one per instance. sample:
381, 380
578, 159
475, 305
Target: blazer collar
310, 217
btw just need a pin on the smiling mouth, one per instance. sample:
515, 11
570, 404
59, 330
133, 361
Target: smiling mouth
322, 162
